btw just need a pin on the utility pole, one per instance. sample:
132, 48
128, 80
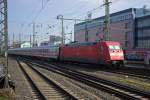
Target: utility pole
33, 34
70, 33
89, 15
6, 42
62, 21
62, 28
20, 38
13, 40
86, 30
4, 33
71, 36
107, 21
42, 4
30, 40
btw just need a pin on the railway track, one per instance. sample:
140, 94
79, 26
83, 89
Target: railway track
42, 87
126, 71
116, 89
131, 74
123, 71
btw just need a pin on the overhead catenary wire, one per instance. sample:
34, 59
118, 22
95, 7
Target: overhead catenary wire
87, 11
39, 12
77, 8
36, 15
96, 9
26, 27
72, 13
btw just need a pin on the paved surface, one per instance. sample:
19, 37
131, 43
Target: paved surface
22, 88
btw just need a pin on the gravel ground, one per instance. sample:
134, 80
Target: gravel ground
103, 95
138, 83
22, 87
122, 79
81, 90
1, 60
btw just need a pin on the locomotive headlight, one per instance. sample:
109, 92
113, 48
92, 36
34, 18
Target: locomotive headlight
113, 54
116, 54
120, 54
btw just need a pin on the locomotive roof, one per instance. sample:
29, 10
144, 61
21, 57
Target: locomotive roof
81, 44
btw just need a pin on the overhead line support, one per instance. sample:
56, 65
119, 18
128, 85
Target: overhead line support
107, 21
4, 36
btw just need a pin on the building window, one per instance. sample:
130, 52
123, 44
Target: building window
127, 25
127, 35
126, 43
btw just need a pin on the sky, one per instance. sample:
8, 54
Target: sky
23, 13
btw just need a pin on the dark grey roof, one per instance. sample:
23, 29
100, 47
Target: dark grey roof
113, 14
81, 44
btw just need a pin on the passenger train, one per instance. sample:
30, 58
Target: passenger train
106, 53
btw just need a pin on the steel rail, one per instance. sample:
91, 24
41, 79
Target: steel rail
41, 95
71, 97
119, 90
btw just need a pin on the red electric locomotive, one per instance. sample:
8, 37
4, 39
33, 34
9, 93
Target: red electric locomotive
107, 53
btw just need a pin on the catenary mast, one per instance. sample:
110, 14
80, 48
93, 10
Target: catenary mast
4, 35
107, 21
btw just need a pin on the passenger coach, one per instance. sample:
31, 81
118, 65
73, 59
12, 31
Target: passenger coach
43, 52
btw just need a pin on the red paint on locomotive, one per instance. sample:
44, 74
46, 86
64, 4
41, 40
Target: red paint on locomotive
106, 52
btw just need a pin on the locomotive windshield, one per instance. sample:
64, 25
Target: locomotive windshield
114, 47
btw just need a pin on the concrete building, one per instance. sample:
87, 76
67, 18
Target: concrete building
54, 39
122, 27
16, 45
26, 45
46, 43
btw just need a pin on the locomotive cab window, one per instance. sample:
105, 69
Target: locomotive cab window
114, 47
117, 47
111, 47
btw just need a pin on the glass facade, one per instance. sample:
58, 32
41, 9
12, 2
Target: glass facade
143, 23
142, 43
143, 32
